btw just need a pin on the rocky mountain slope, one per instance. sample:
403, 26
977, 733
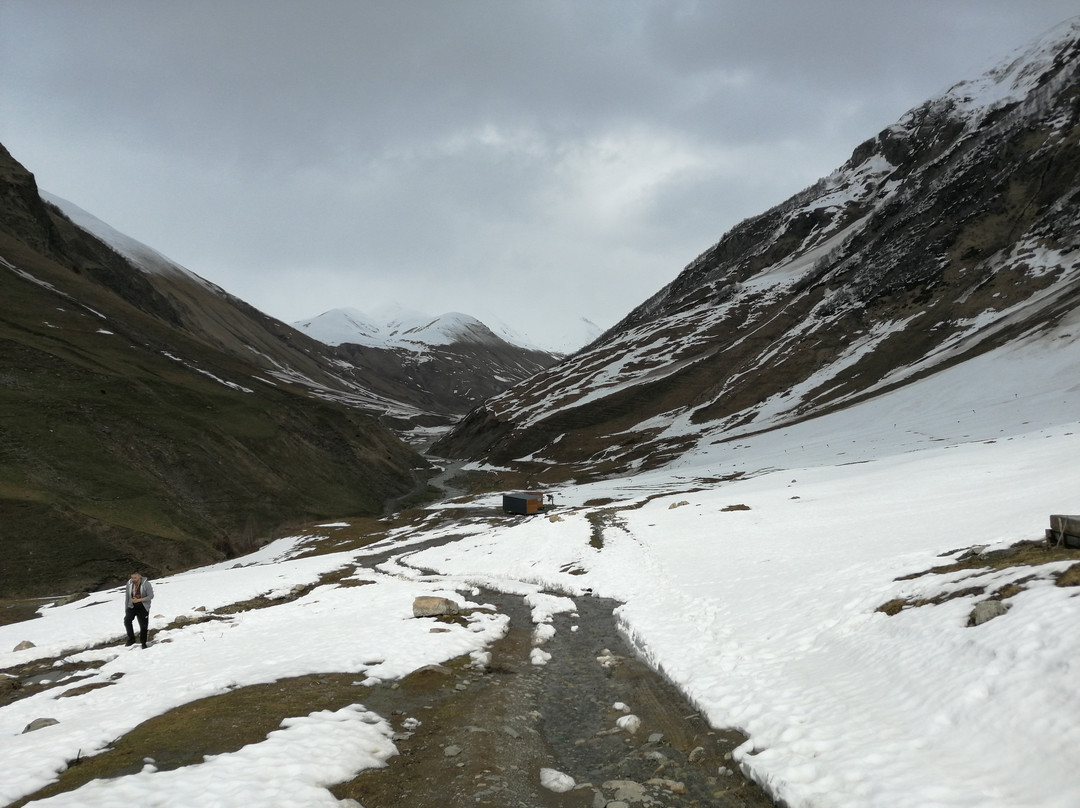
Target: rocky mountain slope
428, 377
950, 233
149, 420
443, 365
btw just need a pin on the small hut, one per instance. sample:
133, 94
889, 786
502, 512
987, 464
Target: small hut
525, 504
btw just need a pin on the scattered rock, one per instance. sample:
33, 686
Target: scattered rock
679, 504
428, 606
696, 754
735, 508
24, 645
555, 518
626, 790
556, 781
452, 751
39, 723
656, 737
674, 786
441, 669
630, 723
608, 659
987, 610
439, 631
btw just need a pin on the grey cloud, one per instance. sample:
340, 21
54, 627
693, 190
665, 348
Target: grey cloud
310, 155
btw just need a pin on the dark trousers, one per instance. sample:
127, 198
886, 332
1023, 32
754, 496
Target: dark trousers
137, 610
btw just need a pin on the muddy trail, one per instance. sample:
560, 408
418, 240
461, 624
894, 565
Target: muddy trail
471, 736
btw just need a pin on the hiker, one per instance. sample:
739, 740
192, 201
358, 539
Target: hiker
137, 599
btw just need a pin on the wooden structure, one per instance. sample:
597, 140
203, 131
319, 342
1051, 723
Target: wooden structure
1064, 530
524, 504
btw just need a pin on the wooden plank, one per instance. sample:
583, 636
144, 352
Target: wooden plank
1065, 529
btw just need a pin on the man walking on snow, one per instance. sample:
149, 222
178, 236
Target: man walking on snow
137, 599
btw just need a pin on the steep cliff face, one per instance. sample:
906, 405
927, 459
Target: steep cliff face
951, 232
150, 421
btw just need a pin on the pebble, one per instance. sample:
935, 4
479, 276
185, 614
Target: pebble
452, 751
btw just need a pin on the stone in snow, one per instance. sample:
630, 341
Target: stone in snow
428, 606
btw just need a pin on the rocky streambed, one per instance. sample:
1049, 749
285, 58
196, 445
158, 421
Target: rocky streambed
593, 726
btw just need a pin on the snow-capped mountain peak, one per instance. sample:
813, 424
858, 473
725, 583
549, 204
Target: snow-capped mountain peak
395, 327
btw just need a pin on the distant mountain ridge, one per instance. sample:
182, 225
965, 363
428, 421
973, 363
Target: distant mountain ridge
396, 327
954, 232
411, 369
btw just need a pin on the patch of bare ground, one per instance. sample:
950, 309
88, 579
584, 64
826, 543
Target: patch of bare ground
1024, 556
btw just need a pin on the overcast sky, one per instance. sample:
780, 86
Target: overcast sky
535, 161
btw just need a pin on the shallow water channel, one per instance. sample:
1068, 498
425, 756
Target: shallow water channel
485, 734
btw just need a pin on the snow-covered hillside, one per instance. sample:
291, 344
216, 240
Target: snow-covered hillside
145, 258
948, 234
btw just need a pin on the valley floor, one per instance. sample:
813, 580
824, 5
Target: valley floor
822, 611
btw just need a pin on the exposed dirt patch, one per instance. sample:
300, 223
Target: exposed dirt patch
1070, 577
1022, 555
